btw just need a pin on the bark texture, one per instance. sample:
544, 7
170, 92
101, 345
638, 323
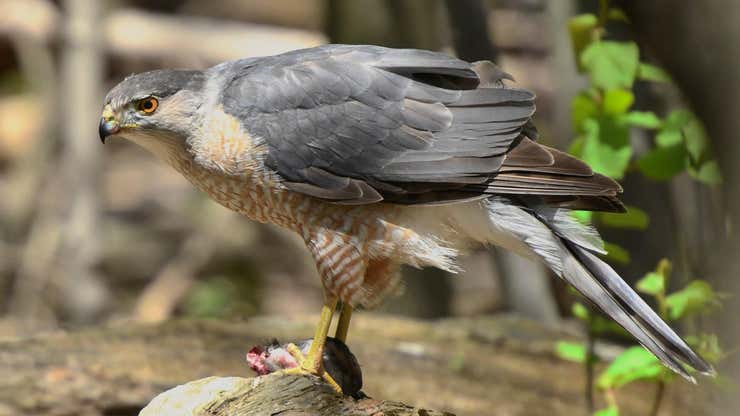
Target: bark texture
269, 395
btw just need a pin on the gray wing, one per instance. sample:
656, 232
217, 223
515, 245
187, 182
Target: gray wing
363, 124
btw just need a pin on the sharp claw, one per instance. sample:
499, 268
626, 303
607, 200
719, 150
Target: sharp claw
306, 367
323, 374
330, 380
295, 352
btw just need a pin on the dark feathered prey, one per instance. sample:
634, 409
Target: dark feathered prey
337, 360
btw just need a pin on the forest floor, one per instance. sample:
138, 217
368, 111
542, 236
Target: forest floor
495, 365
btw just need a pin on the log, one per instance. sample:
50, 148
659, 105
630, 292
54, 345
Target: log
496, 365
272, 394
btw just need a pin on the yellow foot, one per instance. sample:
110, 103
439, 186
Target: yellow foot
306, 366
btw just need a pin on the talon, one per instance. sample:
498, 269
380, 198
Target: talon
306, 366
323, 374
338, 368
295, 352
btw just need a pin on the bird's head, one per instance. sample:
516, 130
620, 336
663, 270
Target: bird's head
154, 109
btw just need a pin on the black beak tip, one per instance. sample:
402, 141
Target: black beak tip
102, 130
107, 128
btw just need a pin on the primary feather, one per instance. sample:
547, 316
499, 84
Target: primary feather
568, 248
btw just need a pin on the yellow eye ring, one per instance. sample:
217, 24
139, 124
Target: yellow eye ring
147, 105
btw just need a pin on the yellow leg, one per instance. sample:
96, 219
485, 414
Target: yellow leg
343, 324
312, 362
298, 354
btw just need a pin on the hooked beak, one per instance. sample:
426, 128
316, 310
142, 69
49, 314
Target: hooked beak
108, 124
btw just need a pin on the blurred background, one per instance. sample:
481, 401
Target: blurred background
91, 235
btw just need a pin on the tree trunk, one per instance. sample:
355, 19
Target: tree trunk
698, 44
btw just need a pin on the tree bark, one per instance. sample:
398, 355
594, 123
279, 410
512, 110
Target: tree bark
273, 394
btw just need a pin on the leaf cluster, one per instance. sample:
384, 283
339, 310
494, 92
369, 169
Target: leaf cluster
603, 117
603, 114
636, 363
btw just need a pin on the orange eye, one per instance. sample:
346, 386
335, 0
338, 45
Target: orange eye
147, 105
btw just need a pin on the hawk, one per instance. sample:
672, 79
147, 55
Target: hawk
380, 157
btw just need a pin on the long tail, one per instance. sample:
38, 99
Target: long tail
568, 247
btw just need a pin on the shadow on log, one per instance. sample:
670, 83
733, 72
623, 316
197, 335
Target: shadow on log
497, 365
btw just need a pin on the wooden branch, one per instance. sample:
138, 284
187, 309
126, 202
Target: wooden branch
273, 394
486, 366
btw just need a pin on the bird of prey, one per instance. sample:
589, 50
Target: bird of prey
380, 157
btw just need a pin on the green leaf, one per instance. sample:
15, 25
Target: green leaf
708, 173
635, 363
648, 72
611, 64
663, 163
697, 296
617, 101
582, 216
634, 218
672, 132
613, 133
618, 14
617, 253
678, 118
582, 107
581, 30
652, 284
580, 311
642, 119
571, 351
608, 411
603, 157
697, 143
668, 137
576, 146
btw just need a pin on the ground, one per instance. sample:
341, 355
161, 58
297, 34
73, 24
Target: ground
497, 365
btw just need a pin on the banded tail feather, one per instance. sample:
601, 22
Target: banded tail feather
568, 248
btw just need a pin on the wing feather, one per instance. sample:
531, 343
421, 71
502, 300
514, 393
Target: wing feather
361, 124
